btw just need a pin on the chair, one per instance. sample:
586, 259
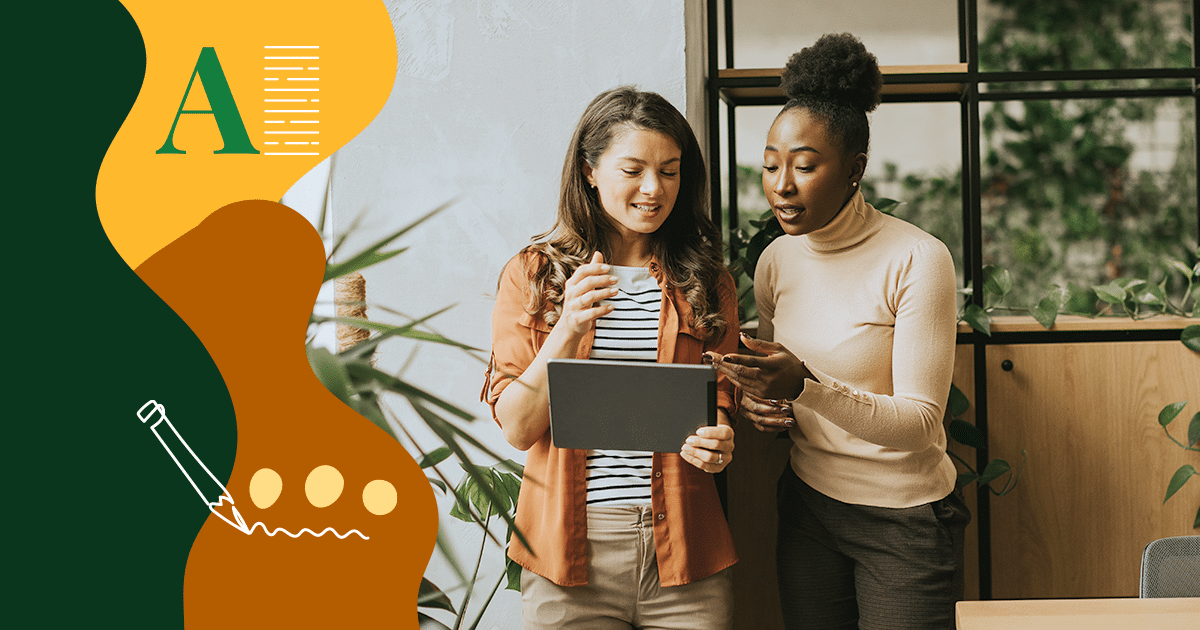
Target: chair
1171, 568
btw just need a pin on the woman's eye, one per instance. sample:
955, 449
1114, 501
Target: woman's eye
629, 172
770, 169
670, 174
804, 169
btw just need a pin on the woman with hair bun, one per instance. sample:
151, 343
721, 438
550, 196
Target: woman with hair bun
854, 357
632, 270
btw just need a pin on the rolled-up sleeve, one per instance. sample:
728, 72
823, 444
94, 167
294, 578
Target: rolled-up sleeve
514, 332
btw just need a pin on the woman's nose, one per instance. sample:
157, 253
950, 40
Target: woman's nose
783, 182
650, 184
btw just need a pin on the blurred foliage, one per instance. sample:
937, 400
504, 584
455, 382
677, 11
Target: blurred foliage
1061, 201
1072, 224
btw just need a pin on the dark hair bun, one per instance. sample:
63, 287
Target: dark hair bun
837, 68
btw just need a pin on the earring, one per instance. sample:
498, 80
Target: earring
854, 184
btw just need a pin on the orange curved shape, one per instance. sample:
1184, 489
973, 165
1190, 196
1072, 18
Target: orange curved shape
148, 199
244, 280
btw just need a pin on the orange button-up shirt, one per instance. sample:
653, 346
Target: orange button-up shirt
691, 535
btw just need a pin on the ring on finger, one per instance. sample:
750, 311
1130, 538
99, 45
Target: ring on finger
720, 458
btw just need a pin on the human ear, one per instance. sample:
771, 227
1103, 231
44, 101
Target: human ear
858, 166
589, 175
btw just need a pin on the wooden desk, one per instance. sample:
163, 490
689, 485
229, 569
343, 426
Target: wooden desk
1090, 614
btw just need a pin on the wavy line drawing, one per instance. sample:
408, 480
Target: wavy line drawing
154, 409
327, 530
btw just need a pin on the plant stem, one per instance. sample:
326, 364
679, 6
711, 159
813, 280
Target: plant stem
961, 461
495, 589
1181, 444
462, 610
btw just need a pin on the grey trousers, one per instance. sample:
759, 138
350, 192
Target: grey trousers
858, 566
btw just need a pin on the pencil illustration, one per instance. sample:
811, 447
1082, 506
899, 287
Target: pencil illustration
211, 491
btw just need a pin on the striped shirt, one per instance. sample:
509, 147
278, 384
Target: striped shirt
629, 333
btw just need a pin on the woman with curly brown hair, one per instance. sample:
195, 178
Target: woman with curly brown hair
854, 356
631, 271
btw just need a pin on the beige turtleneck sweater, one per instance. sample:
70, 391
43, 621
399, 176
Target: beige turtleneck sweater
868, 302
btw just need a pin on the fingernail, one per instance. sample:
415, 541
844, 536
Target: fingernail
606, 269
690, 440
790, 423
706, 359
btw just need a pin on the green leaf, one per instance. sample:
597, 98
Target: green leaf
1111, 293
979, 319
365, 372
514, 574
1196, 523
429, 623
1169, 412
1080, 300
1180, 477
965, 433
1191, 336
449, 434
885, 205
331, 372
1148, 294
434, 457
1194, 430
1183, 269
362, 261
430, 596
364, 348
771, 231
966, 478
510, 487
994, 469
1046, 312
958, 404
372, 252
996, 280
438, 483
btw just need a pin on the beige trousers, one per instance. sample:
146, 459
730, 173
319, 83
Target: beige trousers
623, 590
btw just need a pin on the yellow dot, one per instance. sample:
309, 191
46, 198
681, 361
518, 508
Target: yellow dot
265, 486
323, 486
379, 497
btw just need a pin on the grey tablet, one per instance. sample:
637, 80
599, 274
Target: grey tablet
596, 404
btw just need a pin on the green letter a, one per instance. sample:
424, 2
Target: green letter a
223, 109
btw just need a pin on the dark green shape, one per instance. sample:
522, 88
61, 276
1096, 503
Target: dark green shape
99, 520
220, 99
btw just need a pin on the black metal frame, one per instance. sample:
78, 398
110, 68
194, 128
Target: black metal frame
969, 97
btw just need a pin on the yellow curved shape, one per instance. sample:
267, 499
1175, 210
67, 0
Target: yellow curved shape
148, 199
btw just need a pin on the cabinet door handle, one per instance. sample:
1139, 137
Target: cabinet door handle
1006, 365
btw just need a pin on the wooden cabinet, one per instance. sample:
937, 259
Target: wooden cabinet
1099, 463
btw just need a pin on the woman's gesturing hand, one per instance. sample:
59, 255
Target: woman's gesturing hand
768, 415
776, 374
582, 295
710, 449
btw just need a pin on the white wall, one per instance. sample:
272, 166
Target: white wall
486, 97
898, 32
